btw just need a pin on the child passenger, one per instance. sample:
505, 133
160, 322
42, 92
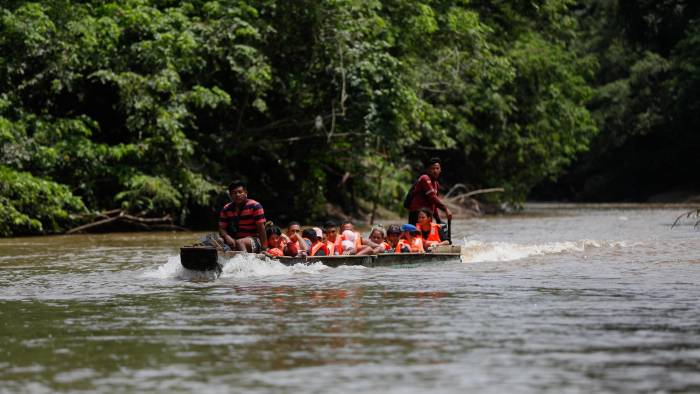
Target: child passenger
360, 246
348, 242
393, 232
410, 238
279, 244
316, 246
377, 235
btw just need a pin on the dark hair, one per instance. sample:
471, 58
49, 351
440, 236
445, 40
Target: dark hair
309, 233
393, 229
272, 229
292, 223
427, 212
236, 184
433, 160
345, 222
329, 223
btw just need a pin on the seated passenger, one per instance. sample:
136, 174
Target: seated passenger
319, 233
360, 245
279, 244
392, 238
330, 231
316, 245
294, 234
306, 236
431, 233
293, 228
348, 242
409, 238
377, 235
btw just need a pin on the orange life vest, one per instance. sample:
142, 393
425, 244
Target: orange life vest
415, 247
321, 245
331, 248
433, 236
339, 242
283, 247
275, 252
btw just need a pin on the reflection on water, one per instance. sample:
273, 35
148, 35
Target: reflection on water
562, 301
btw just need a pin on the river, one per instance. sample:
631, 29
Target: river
556, 299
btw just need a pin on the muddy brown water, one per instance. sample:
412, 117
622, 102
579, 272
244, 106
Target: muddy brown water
558, 299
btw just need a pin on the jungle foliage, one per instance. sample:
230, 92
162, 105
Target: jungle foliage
153, 106
646, 102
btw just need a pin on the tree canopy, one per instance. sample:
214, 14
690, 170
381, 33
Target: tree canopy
153, 106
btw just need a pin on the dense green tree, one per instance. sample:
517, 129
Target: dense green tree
153, 105
645, 101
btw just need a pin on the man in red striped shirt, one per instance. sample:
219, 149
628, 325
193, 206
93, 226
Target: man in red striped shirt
242, 221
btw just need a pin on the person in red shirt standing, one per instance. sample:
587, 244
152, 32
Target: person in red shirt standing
242, 221
425, 194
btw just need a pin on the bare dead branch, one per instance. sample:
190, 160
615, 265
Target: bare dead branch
92, 225
689, 214
163, 223
483, 191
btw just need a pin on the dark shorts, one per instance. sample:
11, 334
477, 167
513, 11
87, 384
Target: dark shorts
255, 244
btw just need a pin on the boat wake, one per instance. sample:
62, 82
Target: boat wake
480, 251
473, 251
242, 266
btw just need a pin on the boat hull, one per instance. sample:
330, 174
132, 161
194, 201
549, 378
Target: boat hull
210, 259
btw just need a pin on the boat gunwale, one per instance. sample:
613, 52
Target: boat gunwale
373, 260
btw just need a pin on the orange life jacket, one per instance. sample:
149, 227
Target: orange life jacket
275, 252
433, 236
331, 248
415, 247
320, 245
339, 242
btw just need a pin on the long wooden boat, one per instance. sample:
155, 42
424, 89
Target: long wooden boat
205, 258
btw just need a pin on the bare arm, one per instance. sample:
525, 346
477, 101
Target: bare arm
366, 241
300, 242
432, 196
225, 235
261, 234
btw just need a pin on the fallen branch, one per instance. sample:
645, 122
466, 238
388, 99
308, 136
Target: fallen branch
688, 214
92, 225
483, 191
148, 224
463, 203
104, 215
454, 188
164, 219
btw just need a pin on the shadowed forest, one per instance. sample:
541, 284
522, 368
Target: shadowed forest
151, 107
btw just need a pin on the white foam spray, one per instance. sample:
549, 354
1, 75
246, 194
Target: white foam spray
240, 266
473, 251
244, 266
479, 251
